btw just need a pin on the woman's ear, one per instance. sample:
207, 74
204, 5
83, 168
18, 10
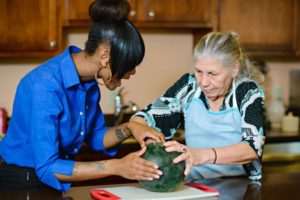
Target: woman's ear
236, 69
104, 71
104, 56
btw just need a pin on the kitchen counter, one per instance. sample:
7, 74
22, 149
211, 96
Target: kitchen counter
281, 137
273, 161
271, 137
271, 187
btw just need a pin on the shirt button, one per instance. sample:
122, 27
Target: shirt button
81, 113
66, 157
75, 150
87, 107
81, 133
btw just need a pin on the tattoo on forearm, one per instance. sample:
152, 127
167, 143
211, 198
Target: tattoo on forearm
122, 134
100, 165
127, 132
75, 172
79, 167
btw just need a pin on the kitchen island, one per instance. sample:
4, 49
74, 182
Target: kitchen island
271, 187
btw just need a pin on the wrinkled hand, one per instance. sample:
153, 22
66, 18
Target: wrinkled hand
187, 154
134, 167
142, 132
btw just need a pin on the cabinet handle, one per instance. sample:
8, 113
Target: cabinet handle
132, 13
52, 43
151, 14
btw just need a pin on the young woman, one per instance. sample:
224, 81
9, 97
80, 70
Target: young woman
56, 109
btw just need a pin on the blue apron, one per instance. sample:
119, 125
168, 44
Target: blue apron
206, 129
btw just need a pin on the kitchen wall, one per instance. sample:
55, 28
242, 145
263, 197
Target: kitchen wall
279, 75
168, 56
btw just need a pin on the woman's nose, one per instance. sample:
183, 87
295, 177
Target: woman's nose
133, 72
128, 74
204, 81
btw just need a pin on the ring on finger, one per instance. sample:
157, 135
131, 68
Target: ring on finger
183, 149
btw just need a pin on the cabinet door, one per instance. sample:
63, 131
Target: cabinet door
266, 28
76, 12
150, 13
133, 9
298, 28
28, 27
188, 11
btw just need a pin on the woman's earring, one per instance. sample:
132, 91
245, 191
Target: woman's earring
105, 73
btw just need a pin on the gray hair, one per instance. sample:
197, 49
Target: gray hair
224, 46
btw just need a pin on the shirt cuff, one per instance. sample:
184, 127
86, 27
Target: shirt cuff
112, 151
60, 166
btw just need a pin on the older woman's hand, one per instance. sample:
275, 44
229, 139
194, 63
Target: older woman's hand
191, 156
187, 154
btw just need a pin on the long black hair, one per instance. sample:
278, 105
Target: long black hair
110, 25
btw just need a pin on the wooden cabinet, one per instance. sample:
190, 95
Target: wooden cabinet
172, 13
266, 28
195, 16
150, 13
297, 28
29, 28
76, 12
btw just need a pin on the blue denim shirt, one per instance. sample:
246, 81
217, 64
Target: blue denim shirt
53, 113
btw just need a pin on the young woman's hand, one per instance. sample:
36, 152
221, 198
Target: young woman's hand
142, 132
134, 167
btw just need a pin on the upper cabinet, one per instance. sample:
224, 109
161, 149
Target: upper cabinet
29, 28
76, 12
150, 13
266, 28
172, 13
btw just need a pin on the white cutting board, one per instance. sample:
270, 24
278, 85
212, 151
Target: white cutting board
139, 193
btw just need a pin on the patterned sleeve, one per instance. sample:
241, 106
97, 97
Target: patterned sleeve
250, 98
165, 113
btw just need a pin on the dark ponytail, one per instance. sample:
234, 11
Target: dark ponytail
110, 25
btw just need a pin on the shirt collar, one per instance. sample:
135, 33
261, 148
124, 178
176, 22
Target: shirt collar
68, 70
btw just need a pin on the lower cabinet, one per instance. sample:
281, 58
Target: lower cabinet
282, 157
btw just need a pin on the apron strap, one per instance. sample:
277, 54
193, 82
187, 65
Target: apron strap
234, 103
197, 93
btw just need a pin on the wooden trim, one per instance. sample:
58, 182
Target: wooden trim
65, 6
53, 23
218, 15
297, 27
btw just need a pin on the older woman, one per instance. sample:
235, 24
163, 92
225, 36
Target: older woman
221, 104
